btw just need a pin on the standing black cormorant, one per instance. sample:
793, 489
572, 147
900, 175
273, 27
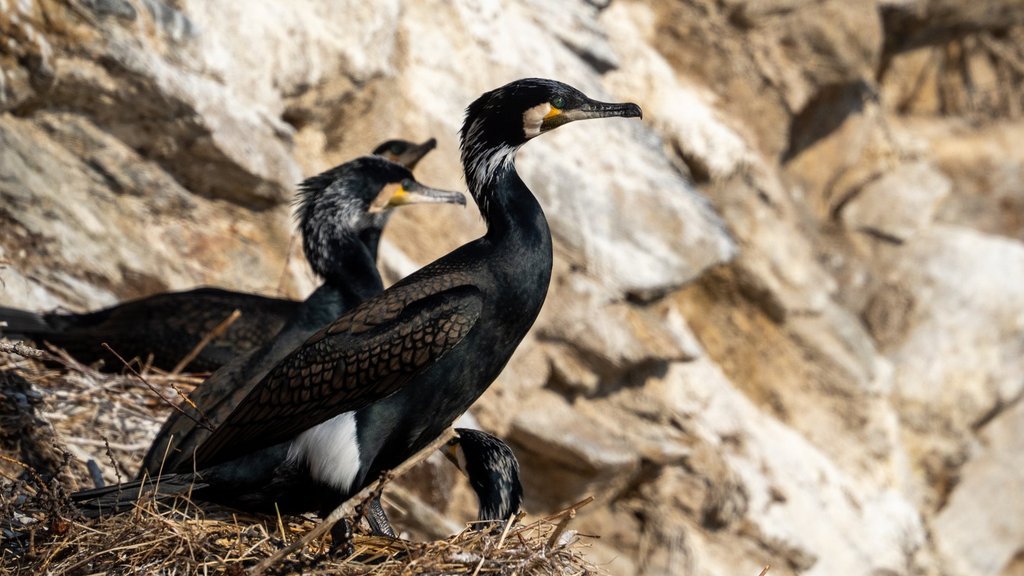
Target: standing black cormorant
342, 213
386, 378
170, 325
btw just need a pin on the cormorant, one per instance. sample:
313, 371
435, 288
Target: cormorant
387, 377
169, 325
493, 472
403, 152
341, 215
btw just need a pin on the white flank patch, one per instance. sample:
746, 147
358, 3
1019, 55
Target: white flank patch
331, 451
533, 118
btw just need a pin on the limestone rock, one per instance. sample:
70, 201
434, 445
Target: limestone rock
778, 268
899, 204
62, 168
560, 168
913, 23
131, 85
618, 246
828, 43
788, 485
980, 529
564, 454
622, 338
311, 40
25, 54
961, 344
985, 166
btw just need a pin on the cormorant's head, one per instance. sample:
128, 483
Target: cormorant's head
492, 469
503, 119
403, 152
352, 202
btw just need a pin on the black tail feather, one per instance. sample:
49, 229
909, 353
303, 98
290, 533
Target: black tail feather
122, 497
23, 323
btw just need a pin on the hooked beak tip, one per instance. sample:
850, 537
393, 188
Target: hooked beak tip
632, 111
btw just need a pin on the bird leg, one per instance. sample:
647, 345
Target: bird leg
375, 515
341, 539
378, 519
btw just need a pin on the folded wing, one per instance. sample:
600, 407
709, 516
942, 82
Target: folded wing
364, 356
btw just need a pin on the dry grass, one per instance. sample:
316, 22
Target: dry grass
56, 417
159, 540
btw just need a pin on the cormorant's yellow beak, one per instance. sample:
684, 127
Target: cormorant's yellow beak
556, 117
453, 452
412, 192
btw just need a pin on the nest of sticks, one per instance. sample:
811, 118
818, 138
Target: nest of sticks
63, 426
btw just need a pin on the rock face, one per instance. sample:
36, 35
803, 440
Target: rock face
785, 325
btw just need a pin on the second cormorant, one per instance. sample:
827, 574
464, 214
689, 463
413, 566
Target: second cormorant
342, 213
169, 325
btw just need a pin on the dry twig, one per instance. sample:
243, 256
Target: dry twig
20, 348
349, 506
216, 332
201, 421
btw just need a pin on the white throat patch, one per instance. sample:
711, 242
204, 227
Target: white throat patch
533, 118
331, 450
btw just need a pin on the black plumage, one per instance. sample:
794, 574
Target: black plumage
389, 376
403, 152
169, 325
492, 470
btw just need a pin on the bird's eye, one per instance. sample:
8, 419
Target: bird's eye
397, 148
558, 102
408, 184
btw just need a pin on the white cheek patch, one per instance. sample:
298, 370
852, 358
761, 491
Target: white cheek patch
381, 201
533, 118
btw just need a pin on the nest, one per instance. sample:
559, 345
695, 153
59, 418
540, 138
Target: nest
64, 425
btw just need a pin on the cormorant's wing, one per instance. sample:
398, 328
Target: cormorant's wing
364, 356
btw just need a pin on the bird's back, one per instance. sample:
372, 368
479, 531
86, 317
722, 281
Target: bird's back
167, 326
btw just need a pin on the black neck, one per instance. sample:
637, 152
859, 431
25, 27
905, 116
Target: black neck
508, 207
370, 237
520, 244
352, 270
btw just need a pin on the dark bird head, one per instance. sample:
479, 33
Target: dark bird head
493, 472
403, 152
352, 202
502, 120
